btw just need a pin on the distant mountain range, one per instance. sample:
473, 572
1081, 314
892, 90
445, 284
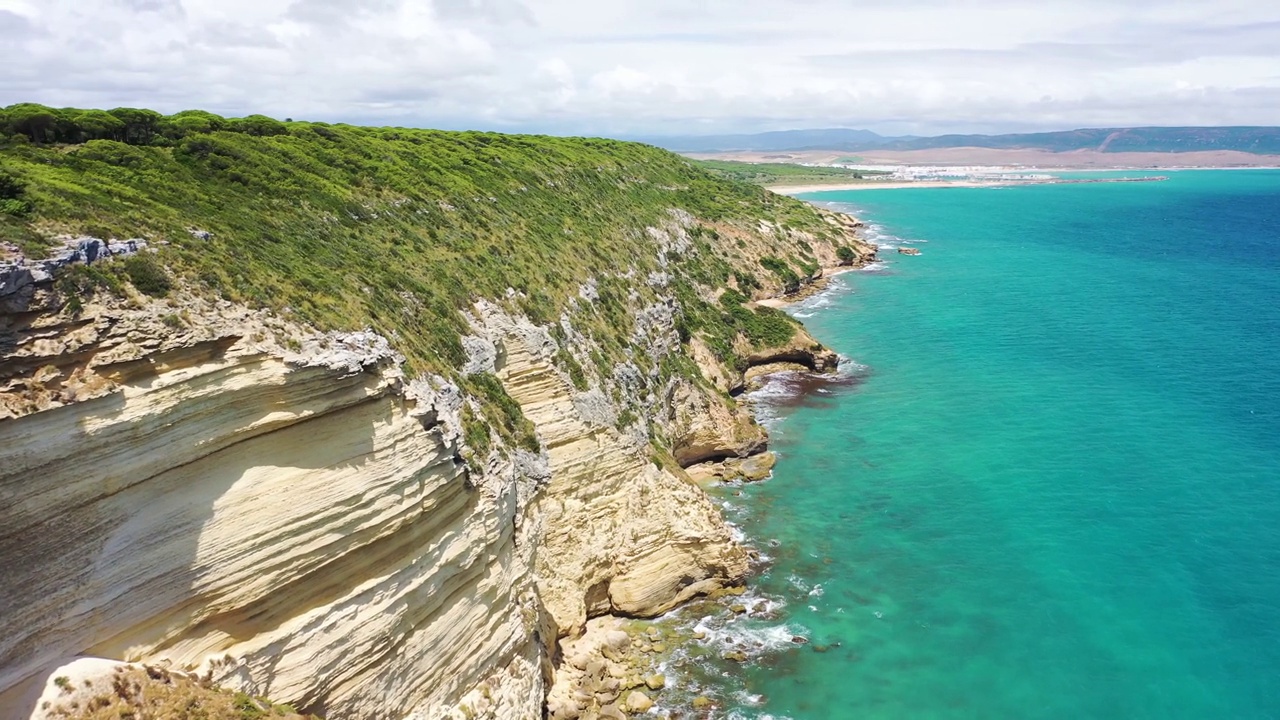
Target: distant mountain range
1258, 140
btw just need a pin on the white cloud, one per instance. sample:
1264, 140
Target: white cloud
633, 66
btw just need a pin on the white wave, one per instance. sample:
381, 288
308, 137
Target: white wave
737, 534
746, 636
849, 367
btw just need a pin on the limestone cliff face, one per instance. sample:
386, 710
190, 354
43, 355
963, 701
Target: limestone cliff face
623, 535
230, 493
296, 523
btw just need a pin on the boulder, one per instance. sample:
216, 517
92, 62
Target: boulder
616, 645
617, 640
757, 467
612, 712
15, 277
638, 702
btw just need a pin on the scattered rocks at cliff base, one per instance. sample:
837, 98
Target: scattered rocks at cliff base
908, 251
638, 702
596, 677
602, 673
616, 645
749, 469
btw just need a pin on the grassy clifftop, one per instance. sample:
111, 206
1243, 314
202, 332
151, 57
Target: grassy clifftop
397, 229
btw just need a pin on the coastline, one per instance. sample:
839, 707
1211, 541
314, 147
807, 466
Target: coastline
874, 185
924, 184
657, 663
734, 626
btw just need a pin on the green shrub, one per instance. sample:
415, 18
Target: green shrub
502, 411
147, 275
14, 207
790, 280
475, 431
571, 366
11, 187
85, 280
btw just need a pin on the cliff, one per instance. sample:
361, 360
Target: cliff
358, 484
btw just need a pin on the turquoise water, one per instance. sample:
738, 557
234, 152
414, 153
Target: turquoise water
1053, 488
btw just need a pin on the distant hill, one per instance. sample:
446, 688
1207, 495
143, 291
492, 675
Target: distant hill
1258, 140
834, 139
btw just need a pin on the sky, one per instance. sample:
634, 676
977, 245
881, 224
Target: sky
658, 67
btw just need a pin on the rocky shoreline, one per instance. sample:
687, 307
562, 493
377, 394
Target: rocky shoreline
626, 667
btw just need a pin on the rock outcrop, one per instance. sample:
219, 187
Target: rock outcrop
623, 535
18, 278
709, 427
801, 352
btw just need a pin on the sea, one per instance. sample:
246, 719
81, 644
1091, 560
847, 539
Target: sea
1046, 482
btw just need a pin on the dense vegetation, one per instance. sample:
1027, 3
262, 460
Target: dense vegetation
397, 229
45, 125
783, 173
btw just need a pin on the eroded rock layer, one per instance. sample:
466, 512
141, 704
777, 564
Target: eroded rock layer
303, 515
